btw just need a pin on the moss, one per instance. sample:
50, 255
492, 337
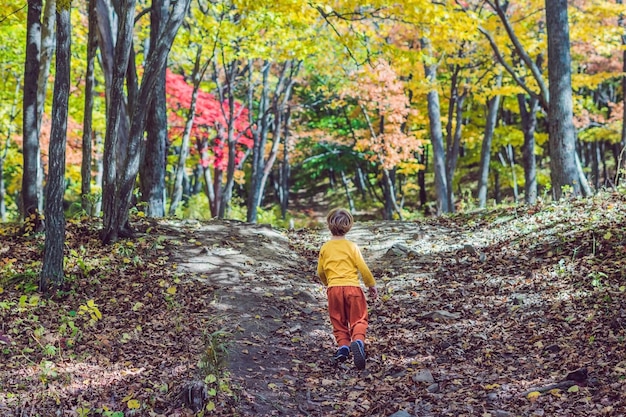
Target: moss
63, 5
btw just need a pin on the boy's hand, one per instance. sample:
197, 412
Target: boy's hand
373, 292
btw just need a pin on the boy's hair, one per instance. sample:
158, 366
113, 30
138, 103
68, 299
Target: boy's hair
339, 221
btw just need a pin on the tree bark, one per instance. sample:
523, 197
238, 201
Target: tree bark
453, 140
622, 144
529, 125
87, 200
113, 207
152, 172
493, 105
285, 169
280, 108
33, 221
563, 161
108, 63
117, 198
436, 135
52, 270
48, 40
259, 134
196, 76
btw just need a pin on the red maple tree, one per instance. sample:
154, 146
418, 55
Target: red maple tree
209, 122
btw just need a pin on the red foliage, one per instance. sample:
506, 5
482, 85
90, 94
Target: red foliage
210, 122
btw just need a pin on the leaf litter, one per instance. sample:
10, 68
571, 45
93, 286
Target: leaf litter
509, 312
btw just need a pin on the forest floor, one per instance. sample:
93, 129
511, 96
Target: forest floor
509, 312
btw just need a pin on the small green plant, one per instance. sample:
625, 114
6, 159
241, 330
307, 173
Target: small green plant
47, 371
215, 353
76, 262
91, 310
597, 279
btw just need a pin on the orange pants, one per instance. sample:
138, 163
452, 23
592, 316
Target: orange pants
347, 308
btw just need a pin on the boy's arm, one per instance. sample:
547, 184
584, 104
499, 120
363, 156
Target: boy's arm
320, 270
366, 274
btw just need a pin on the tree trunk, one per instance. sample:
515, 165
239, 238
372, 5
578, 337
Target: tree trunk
510, 155
485, 153
529, 125
359, 180
48, 40
227, 133
436, 136
33, 221
87, 201
563, 159
346, 188
152, 176
389, 196
117, 199
259, 134
454, 146
285, 169
196, 76
622, 144
113, 207
52, 270
280, 107
108, 63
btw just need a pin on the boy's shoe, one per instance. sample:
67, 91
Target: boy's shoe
342, 355
358, 353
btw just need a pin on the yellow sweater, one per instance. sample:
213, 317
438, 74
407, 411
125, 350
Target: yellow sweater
339, 263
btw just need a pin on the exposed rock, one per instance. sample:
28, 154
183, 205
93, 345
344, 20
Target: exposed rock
424, 375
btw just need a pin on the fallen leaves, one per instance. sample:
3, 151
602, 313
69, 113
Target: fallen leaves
457, 334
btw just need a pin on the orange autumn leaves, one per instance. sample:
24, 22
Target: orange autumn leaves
383, 104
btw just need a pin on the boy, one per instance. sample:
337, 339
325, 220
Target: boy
338, 267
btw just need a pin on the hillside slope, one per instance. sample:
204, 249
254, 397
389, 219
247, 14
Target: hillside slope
515, 312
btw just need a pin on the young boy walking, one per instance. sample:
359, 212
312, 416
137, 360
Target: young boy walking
339, 264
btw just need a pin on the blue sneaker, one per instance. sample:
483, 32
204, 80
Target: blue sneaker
342, 355
358, 353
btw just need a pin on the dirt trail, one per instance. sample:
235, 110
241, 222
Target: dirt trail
473, 315
266, 298
271, 303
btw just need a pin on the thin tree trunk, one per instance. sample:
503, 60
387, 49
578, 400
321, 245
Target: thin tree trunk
564, 162
454, 146
197, 75
285, 169
109, 64
529, 125
97, 208
52, 270
152, 170
436, 136
510, 153
33, 220
259, 134
485, 154
48, 41
622, 144
346, 187
85, 168
421, 177
280, 106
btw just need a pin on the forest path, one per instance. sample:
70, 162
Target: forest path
473, 314
268, 298
500, 313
